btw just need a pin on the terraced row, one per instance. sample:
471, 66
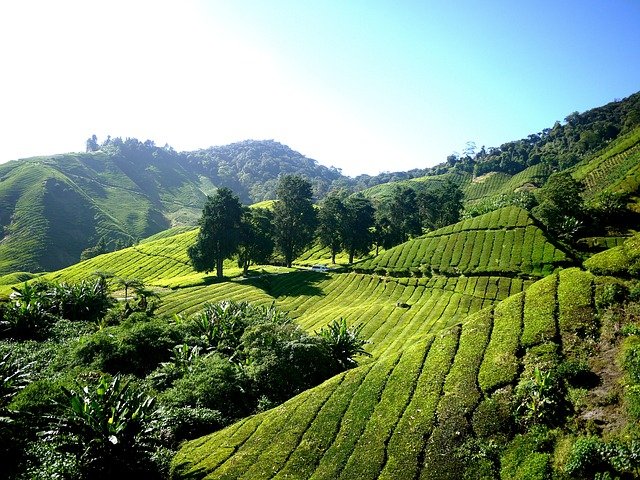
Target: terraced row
616, 169
401, 415
394, 312
163, 258
504, 241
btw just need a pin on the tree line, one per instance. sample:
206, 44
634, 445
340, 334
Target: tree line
341, 222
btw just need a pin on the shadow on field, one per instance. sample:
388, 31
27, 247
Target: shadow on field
302, 282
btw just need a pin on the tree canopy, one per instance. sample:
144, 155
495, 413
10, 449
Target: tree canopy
219, 234
294, 217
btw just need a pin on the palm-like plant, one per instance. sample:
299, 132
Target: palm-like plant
128, 283
221, 325
344, 342
108, 426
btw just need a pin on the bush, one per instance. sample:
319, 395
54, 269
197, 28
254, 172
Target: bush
87, 300
106, 426
213, 383
283, 360
186, 423
493, 416
586, 457
630, 353
343, 342
527, 457
610, 294
133, 347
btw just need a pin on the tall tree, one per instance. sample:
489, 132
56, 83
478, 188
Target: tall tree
401, 212
294, 217
219, 233
256, 238
440, 207
359, 219
561, 206
331, 216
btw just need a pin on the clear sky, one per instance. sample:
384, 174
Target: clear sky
366, 86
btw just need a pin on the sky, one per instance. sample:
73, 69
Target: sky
365, 86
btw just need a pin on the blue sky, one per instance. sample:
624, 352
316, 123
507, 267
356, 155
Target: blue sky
366, 86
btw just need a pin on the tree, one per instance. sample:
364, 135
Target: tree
294, 217
359, 219
331, 216
440, 207
560, 205
256, 238
219, 234
401, 212
92, 144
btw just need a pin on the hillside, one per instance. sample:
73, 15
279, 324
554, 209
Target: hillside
53, 208
428, 408
458, 325
503, 242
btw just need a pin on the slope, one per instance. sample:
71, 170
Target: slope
503, 242
408, 413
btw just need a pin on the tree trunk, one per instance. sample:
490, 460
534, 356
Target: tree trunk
245, 269
219, 267
333, 257
350, 257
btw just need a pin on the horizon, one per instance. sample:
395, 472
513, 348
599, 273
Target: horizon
363, 87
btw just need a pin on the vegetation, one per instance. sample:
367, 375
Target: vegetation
219, 234
294, 218
476, 348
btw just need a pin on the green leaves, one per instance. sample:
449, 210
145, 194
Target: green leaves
343, 342
107, 425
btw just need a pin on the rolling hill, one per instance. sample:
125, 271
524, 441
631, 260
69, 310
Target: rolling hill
433, 392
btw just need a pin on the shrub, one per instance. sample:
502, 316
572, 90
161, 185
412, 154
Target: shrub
28, 313
213, 383
609, 294
87, 300
343, 342
186, 423
586, 457
106, 426
493, 416
630, 353
283, 360
133, 347
527, 457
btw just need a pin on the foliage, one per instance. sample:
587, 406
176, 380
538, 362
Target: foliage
86, 300
28, 314
220, 325
440, 207
560, 205
344, 342
331, 224
256, 238
537, 402
212, 382
107, 426
358, 220
219, 234
294, 217
135, 347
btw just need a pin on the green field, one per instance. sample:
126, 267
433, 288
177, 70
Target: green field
400, 416
502, 242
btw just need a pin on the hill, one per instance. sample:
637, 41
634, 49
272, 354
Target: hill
503, 242
429, 408
53, 208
